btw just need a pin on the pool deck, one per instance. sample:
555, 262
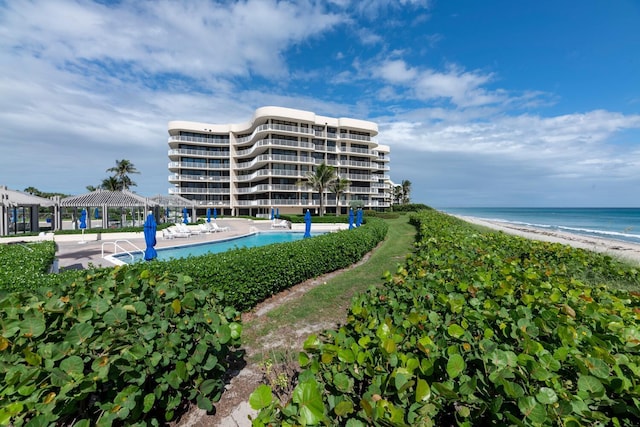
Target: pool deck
72, 253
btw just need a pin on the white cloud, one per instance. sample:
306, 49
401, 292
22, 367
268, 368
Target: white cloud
575, 145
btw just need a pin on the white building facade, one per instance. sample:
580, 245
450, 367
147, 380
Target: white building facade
250, 168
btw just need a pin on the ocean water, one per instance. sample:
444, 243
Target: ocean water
610, 223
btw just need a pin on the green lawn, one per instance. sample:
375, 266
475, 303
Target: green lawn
329, 302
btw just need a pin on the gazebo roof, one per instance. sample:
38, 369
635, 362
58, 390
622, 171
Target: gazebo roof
11, 198
172, 200
111, 199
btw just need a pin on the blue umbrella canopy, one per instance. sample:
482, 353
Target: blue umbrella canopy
307, 224
150, 227
96, 213
359, 218
185, 216
83, 219
278, 213
350, 218
208, 214
215, 213
272, 214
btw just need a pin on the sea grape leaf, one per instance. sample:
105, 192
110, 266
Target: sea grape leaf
261, 397
455, 365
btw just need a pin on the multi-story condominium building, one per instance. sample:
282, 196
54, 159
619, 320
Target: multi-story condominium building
249, 168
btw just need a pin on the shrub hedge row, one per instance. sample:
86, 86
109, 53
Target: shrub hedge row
248, 276
134, 345
476, 329
121, 345
25, 265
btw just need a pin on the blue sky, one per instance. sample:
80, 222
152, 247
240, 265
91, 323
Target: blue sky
495, 103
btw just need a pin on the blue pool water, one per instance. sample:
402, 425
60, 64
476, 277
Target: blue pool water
253, 240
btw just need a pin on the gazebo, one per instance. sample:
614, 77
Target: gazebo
174, 202
99, 202
19, 212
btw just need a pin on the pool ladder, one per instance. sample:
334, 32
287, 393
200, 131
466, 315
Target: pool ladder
117, 246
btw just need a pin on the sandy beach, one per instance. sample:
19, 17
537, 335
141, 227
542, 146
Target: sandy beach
626, 251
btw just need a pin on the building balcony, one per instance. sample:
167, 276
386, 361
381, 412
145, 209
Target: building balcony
185, 177
279, 158
208, 141
187, 190
275, 127
198, 165
264, 144
180, 152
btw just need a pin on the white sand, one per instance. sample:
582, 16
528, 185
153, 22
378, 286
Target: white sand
615, 248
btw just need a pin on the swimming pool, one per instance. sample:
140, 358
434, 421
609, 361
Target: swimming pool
252, 240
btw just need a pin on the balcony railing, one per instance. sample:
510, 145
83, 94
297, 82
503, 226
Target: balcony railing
271, 127
186, 190
274, 142
274, 158
355, 137
262, 188
186, 177
183, 138
200, 166
198, 153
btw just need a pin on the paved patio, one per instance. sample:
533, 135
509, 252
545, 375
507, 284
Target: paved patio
73, 254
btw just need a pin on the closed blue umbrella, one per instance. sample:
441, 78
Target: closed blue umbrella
185, 215
272, 214
83, 219
350, 218
278, 213
150, 227
307, 224
215, 214
83, 223
208, 214
359, 218
96, 213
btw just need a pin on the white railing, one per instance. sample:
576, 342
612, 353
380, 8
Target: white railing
198, 165
117, 246
355, 137
200, 153
184, 138
184, 177
269, 127
274, 142
187, 190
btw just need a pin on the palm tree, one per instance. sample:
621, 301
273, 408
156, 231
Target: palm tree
338, 187
122, 169
91, 188
406, 191
320, 179
397, 194
111, 184
32, 190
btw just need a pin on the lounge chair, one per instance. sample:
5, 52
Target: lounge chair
186, 229
176, 232
215, 227
281, 224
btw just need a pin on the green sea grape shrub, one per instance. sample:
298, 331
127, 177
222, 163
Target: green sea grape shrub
475, 329
114, 346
